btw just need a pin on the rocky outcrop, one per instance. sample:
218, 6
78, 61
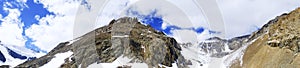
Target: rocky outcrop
124, 37
140, 43
216, 46
276, 45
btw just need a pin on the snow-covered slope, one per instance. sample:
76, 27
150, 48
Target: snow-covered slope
58, 60
13, 55
215, 52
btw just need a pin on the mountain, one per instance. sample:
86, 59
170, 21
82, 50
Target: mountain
125, 42
14, 55
122, 38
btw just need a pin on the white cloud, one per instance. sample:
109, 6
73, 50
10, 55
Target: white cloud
59, 27
169, 9
11, 28
87, 15
173, 12
0, 17
184, 36
193, 12
110, 10
241, 15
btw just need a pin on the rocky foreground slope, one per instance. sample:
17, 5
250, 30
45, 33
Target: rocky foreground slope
276, 45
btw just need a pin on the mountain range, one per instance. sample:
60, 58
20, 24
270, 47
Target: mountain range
126, 42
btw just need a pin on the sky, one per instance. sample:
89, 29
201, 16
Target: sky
36, 24
40, 25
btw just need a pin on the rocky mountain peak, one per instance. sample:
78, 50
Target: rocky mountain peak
286, 31
122, 38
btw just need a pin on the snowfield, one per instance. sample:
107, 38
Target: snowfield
58, 60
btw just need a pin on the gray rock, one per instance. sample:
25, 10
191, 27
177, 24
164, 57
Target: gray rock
121, 38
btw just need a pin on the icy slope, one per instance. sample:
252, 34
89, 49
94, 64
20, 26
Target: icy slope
13, 55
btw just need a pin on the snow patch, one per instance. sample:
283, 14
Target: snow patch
9, 59
143, 47
197, 57
124, 61
121, 36
238, 54
58, 60
72, 41
227, 48
21, 50
116, 64
174, 65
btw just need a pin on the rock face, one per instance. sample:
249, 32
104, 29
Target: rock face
216, 46
276, 45
124, 37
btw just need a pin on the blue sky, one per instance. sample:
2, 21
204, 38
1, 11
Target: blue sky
28, 17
